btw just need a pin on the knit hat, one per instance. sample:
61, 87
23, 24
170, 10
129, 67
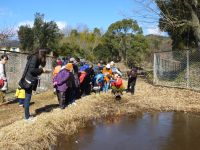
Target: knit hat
69, 66
59, 62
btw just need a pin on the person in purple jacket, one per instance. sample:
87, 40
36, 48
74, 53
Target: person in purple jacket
60, 82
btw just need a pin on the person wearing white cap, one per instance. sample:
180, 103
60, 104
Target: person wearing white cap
112, 63
107, 71
115, 69
72, 60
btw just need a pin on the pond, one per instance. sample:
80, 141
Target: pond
150, 131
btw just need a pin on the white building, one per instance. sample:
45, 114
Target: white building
10, 46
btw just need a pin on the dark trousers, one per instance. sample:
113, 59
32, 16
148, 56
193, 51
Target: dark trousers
61, 99
21, 101
131, 85
27, 103
71, 95
85, 89
88, 89
77, 93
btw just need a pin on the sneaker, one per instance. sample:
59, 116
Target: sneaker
31, 119
62, 107
74, 103
54, 91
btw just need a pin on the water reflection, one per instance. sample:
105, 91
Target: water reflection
156, 131
185, 133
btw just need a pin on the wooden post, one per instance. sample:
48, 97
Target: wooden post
188, 70
155, 70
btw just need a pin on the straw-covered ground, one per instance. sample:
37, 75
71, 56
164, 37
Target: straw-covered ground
51, 121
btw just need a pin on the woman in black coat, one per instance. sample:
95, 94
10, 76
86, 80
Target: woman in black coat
132, 77
29, 80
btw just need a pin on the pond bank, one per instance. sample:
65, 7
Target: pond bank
42, 133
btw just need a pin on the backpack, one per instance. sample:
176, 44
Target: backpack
118, 83
82, 77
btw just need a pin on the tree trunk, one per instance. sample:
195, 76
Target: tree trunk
121, 50
196, 28
194, 21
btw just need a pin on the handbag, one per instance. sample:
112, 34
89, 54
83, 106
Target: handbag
24, 84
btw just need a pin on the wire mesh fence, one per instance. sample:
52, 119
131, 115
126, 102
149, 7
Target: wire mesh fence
15, 67
177, 69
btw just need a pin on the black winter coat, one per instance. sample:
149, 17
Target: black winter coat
33, 71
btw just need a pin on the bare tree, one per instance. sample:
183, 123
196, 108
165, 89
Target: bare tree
184, 14
6, 34
149, 13
67, 30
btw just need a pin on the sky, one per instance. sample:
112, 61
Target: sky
73, 13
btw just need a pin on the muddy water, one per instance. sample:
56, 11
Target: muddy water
157, 131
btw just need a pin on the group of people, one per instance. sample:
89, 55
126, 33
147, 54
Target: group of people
71, 80
75, 79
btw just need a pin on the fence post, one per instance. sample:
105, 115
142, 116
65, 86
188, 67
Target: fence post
154, 70
188, 70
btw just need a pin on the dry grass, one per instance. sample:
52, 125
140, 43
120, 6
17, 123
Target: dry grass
11, 112
42, 133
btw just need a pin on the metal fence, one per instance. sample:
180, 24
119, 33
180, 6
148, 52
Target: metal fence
177, 69
15, 67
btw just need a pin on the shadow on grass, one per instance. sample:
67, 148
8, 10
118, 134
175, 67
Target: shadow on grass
16, 101
46, 108
13, 101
